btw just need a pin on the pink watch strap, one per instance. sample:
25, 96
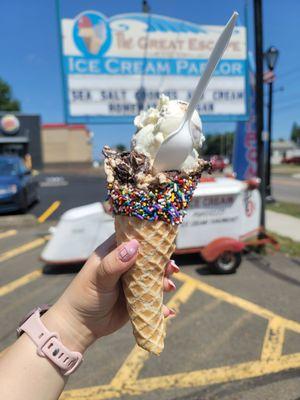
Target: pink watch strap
49, 344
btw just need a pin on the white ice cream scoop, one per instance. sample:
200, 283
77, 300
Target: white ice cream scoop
179, 144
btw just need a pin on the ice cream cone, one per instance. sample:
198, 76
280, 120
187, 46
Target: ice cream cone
95, 44
149, 207
143, 283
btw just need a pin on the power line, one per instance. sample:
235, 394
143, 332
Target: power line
290, 71
290, 106
288, 101
284, 78
285, 110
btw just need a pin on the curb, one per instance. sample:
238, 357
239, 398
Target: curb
283, 224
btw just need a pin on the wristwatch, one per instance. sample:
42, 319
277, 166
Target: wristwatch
48, 343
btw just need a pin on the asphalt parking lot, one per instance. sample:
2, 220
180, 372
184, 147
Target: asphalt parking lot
235, 337
68, 191
60, 191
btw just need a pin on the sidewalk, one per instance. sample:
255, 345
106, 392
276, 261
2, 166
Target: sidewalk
283, 225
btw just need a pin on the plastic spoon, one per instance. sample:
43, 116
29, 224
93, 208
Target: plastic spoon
179, 144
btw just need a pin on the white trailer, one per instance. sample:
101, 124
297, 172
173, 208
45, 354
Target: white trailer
221, 220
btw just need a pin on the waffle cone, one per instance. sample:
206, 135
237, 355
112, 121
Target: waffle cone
143, 283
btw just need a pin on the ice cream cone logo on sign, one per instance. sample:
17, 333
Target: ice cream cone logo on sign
92, 34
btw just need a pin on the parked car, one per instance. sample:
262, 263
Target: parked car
292, 157
18, 188
291, 160
219, 163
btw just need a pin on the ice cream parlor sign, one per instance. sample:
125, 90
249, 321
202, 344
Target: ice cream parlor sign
113, 64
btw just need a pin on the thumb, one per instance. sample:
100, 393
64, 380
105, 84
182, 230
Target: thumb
116, 263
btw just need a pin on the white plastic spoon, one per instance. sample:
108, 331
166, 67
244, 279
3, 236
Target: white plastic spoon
179, 144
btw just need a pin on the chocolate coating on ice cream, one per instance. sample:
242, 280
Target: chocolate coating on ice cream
134, 191
133, 168
125, 167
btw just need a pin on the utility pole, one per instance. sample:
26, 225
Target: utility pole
140, 94
268, 166
145, 7
260, 105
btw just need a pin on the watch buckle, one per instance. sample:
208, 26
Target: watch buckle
77, 363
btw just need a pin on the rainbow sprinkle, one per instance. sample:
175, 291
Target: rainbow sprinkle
168, 203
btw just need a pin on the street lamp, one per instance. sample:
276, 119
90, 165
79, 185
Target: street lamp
271, 57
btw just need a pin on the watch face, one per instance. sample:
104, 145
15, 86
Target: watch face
42, 309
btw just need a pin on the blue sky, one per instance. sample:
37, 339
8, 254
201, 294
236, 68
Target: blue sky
30, 53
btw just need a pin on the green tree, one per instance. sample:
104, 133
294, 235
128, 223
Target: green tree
295, 133
7, 103
120, 147
211, 144
218, 144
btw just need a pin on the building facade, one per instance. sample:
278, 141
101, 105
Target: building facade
23, 135
20, 135
63, 143
280, 148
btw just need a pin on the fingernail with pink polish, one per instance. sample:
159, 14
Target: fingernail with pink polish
128, 250
172, 284
172, 313
175, 267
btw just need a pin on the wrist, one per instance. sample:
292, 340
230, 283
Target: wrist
73, 334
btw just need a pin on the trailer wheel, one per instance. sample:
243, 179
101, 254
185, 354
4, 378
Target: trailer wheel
227, 263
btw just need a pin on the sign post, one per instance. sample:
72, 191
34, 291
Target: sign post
260, 105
